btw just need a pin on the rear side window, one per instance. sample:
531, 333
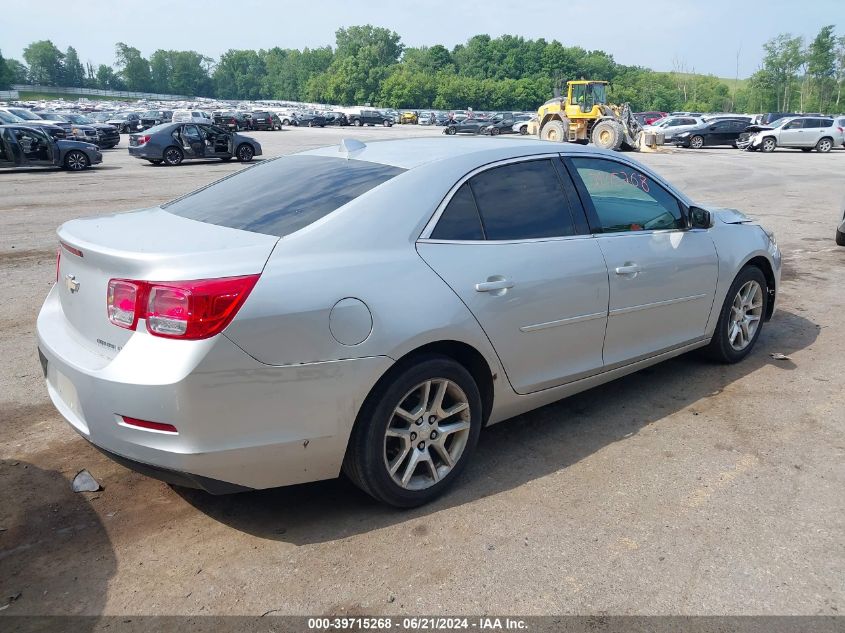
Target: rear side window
522, 201
278, 197
460, 219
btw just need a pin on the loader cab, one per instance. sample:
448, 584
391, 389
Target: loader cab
586, 95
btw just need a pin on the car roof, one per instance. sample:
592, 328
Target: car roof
413, 152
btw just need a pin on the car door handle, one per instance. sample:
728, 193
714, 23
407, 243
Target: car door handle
492, 286
628, 269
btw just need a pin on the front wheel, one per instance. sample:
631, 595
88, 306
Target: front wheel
696, 142
386, 123
415, 433
741, 318
494, 131
76, 161
768, 145
245, 153
523, 130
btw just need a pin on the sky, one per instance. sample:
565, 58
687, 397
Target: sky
701, 35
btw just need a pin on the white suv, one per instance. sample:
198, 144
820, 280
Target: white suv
803, 132
192, 116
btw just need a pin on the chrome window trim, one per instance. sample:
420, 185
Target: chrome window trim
425, 235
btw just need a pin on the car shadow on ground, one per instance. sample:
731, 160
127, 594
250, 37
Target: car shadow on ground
208, 161
514, 452
55, 553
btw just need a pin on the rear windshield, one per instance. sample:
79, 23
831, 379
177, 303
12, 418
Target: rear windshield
278, 197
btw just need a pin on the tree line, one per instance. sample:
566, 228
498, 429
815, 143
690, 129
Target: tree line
371, 65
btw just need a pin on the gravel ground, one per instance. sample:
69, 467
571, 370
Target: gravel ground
688, 488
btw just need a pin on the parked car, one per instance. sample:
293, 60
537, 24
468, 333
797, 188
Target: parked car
804, 133
310, 119
709, 134
840, 230
298, 347
839, 122
467, 126
191, 116
502, 124
337, 118
369, 117
7, 118
86, 130
125, 122
426, 118
525, 125
264, 120
672, 125
24, 146
647, 118
171, 143
151, 118
408, 118
35, 119
770, 117
232, 121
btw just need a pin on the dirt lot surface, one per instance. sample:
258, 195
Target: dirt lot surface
687, 488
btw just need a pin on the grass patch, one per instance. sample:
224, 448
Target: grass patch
37, 96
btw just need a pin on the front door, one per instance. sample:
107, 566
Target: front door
662, 275
508, 245
193, 143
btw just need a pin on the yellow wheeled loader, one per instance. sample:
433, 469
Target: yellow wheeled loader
584, 116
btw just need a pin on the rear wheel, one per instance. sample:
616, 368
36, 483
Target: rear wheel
245, 152
173, 156
451, 130
415, 433
494, 131
523, 130
553, 131
76, 161
768, 145
385, 123
696, 142
357, 123
741, 318
607, 135
824, 145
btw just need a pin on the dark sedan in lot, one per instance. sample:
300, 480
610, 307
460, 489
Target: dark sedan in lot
712, 133
337, 118
311, 119
151, 118
236, 121
106, 136
171, 143
24, 146
468, 126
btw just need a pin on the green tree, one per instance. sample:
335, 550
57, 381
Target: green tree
74, 74
46, 63
821, 67
5, 74
132, 68
240, 75
783, 58
107, 79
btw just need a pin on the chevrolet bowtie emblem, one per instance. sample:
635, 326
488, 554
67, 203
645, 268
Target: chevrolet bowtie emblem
71, 283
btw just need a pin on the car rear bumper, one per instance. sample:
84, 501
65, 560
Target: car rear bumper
240, 424
142, 151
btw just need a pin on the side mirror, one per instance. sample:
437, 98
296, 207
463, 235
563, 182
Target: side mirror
700, 218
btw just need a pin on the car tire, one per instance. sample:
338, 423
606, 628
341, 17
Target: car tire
696, 142
425, 458
554, 131
245, 152
735, 336
523, 130
494, 131
386, 123
451, 131
357, 123
76, 161
173, 156
824, 145
840, 238
285, 121
768, 145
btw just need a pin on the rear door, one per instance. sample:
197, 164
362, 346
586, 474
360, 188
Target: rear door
508, 244
193, 143
7, 157
662, 275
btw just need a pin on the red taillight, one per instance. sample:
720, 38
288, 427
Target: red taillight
841, 129
145, 424
70, 249
193, 310
143, 140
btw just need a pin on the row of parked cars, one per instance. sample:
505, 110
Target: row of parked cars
765, 133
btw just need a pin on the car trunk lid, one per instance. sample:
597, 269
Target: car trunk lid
150, 245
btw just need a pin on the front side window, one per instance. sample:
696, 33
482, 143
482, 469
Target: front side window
794, 125
626, 199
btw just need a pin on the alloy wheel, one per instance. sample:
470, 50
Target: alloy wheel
76, 161
746, 313
427, 434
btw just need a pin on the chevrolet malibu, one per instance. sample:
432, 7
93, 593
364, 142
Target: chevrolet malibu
370, 308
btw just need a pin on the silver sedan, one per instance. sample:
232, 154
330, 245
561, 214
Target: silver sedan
369, 308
